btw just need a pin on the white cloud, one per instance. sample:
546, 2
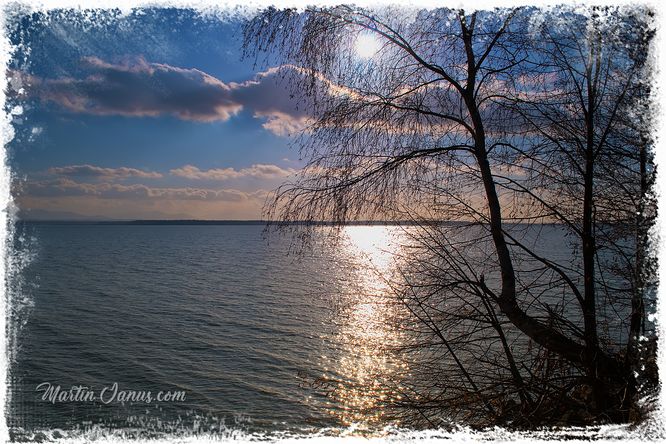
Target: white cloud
91, 171
67, 187
258, 171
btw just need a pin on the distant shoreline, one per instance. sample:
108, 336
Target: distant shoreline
203, 222
241, 222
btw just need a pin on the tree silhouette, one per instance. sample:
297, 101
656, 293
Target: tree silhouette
501, 121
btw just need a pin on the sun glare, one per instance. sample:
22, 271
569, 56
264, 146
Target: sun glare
366, 332
367, 45
372, 242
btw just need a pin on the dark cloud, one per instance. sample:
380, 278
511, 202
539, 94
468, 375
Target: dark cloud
270, 97
139, 88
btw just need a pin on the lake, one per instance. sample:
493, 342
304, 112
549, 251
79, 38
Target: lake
241, 331
235, 321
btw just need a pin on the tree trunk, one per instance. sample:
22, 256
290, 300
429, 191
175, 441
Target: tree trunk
547, 337
637, 303
589, 241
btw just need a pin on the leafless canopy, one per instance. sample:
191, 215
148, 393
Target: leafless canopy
480, 129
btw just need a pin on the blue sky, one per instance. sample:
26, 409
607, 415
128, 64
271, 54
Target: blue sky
150, 115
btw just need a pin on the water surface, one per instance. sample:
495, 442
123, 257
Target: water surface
244, 328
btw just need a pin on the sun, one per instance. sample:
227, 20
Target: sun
367, 45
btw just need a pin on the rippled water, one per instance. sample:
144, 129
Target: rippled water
256, 338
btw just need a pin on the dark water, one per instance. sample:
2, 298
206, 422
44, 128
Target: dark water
215, 311
239, 326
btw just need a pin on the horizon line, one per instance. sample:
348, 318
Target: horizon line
246, 222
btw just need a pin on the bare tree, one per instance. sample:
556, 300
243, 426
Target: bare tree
586, 78
472, 118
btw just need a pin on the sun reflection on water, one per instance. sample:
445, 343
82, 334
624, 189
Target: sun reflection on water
367, 371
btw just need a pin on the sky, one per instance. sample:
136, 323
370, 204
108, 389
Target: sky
153, 115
